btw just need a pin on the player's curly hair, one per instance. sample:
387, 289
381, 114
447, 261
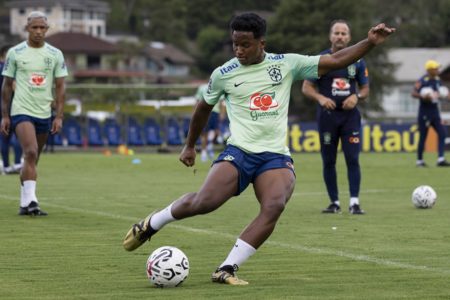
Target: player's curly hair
249, 22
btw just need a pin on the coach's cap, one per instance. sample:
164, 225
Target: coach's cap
431, 64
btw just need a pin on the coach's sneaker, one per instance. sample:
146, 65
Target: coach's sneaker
443, 163
227, 275
356, 210
23, 211
333, 208
139, 234
35, 210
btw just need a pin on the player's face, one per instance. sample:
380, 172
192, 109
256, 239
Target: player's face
339, 36
433, 72
246, 48
37, 28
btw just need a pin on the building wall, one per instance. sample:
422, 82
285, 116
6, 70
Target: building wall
60, 20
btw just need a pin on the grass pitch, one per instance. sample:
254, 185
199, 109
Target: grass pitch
395, 251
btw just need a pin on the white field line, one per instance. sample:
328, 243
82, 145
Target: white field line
301, 248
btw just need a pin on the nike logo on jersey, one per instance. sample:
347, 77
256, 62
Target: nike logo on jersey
238, 84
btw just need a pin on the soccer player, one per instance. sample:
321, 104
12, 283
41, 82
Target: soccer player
257, 89
211, 132
35, 66
5, 140
429, 89
337, 94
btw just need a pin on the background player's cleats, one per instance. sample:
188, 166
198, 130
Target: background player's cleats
23, 211
138, 234
443, 163
226, 274
355, 210
332, 209
35, 210
421, 164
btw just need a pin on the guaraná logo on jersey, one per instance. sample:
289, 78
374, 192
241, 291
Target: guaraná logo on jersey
37, 79
263, 101
340, 87
260, 103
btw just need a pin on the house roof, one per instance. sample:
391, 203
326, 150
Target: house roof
411, 61
77, 42
111, 74
99, 6
160, 52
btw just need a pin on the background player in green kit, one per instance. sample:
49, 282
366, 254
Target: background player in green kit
211, 132
35, 66
256, 86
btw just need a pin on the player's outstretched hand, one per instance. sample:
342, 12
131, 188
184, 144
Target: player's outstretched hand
379, 33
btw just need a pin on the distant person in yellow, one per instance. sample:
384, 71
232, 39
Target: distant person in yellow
211, 132
429, 90
35, 66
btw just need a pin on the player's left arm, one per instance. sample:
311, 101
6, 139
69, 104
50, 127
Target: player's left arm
349, 55
60, 94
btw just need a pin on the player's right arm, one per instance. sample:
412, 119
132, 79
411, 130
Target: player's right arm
310, 91
7, 90
200, 118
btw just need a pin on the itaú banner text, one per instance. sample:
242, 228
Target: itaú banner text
375, 137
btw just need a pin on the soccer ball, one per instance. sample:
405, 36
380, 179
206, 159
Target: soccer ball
424, 196
443, 91
167, 267
426, 91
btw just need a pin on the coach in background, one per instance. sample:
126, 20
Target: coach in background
35, 66
337, 94
429, 90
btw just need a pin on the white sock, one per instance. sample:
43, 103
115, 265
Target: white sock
337, 203
354, 200
29, 192
22, 198
162, 218
441, 159
239, 254
419, 161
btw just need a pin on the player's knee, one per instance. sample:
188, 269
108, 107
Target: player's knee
31, 154
274, 208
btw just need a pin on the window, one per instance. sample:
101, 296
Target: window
76, 14
93, 61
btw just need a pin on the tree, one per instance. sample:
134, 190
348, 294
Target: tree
303, 27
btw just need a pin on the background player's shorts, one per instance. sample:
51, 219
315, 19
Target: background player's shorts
41, 125
213, 122
251, 165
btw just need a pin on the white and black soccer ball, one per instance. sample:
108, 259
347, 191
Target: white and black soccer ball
425, 91
167, 267
424, 196
443, 92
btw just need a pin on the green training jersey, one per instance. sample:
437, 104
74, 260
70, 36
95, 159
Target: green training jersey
257, 98
34, 70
